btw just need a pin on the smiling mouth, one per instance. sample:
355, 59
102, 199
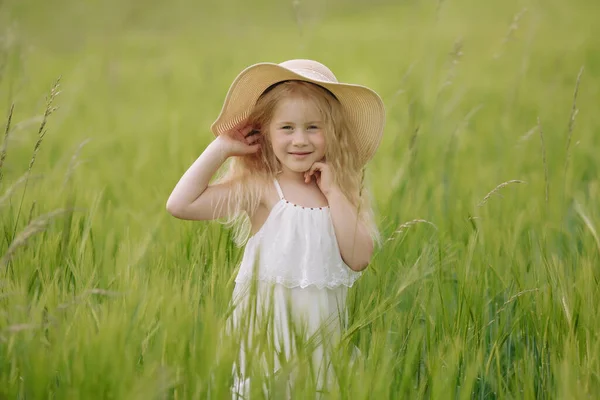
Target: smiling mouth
300, 154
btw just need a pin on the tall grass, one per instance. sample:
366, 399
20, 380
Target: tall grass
482, 288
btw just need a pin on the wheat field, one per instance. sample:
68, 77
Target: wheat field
486, 191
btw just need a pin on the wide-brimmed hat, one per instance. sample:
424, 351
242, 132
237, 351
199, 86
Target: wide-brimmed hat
362, 107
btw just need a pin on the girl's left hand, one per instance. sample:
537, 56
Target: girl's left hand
323, 175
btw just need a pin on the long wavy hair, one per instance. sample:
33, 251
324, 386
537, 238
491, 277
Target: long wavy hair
252, 175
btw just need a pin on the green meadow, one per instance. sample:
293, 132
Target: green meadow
486, 191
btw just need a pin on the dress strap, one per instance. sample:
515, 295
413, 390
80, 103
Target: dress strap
279, 191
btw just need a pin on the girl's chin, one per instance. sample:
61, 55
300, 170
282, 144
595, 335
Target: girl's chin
300, 169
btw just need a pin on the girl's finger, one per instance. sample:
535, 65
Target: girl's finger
319, 166
252, 148
238, 136
253, 136
243, 125
316, 167
252, 139
246, 130
249, 140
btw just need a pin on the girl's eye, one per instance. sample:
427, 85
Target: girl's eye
286, 127
312, 127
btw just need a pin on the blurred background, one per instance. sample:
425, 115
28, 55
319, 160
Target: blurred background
491, 137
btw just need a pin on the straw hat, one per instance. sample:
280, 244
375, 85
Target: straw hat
362, 106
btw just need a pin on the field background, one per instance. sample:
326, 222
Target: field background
103, 295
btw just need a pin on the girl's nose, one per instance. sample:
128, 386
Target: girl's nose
300, 138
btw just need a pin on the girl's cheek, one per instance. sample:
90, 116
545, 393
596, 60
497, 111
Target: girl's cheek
322, 140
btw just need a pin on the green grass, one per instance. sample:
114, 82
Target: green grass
494, 299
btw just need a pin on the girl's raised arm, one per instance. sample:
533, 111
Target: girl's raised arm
193, 198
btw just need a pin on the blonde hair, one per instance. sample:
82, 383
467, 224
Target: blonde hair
251, 175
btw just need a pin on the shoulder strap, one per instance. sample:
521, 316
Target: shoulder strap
279, 191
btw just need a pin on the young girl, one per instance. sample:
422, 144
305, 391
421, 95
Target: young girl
297, 142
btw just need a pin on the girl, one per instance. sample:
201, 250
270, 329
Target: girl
297, 141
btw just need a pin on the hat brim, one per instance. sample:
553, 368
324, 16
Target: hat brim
362, 106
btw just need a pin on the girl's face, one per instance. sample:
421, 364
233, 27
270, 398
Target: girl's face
296, 132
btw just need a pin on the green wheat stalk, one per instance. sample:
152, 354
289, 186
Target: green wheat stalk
41, 134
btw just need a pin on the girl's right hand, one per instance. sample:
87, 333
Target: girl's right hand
239, 142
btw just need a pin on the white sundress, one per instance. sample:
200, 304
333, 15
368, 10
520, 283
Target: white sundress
292, 279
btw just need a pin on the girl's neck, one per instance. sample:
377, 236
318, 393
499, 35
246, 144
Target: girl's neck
291, 176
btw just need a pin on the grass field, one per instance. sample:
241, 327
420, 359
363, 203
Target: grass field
486, 190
